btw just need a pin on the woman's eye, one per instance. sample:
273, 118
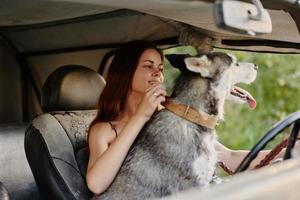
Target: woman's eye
148, 66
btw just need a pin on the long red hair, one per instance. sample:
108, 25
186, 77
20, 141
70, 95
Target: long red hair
112, 100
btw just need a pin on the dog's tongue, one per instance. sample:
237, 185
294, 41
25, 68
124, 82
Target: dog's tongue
250, 100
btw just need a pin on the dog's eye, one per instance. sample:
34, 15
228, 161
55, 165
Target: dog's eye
237, 64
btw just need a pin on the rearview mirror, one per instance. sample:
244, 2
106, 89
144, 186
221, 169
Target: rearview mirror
242, 17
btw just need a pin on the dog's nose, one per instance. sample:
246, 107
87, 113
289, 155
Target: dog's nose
255, 67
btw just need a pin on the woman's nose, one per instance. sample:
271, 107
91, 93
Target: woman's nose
158, 74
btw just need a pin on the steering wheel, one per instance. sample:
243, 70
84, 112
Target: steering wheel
293, 118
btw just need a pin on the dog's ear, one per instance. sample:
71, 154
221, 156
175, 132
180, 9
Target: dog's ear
199, 65
177, 60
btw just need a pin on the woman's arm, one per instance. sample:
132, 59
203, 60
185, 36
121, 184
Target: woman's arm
232, 158
106, 159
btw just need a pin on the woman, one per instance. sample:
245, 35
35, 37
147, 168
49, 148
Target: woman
134, 90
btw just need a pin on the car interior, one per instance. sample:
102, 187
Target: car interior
68, 103
54, 58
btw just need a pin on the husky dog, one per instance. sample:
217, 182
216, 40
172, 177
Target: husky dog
174, 152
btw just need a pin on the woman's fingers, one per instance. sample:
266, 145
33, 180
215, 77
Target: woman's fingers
159, 100
155, 87
153, 97
157, 90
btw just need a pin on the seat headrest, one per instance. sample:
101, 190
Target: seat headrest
72, 87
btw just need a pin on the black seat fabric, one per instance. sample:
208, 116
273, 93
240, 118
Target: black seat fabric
55, 142
52, 141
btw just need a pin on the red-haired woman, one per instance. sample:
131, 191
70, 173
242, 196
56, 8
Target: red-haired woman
133, 91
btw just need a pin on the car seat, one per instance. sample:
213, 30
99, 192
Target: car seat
55, 141
15, 172
3, 192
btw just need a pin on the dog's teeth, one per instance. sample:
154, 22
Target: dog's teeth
239, 94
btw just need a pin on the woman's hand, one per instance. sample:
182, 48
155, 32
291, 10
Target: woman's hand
152, 98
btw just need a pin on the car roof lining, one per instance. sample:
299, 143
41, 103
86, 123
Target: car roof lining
26, 12
151, 23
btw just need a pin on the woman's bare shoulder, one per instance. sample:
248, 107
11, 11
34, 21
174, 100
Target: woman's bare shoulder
102, 131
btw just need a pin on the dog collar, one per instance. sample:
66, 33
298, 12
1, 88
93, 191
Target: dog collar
191, 114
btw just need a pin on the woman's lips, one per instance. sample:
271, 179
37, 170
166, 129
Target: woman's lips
154, 81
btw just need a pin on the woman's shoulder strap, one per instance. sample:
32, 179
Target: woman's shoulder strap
113, 128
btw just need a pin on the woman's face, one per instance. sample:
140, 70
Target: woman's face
148, 71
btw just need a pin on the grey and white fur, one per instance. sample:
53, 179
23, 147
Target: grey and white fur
172, 154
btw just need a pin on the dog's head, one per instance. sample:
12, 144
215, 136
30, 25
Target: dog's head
223, 72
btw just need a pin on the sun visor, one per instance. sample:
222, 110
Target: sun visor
112, 28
